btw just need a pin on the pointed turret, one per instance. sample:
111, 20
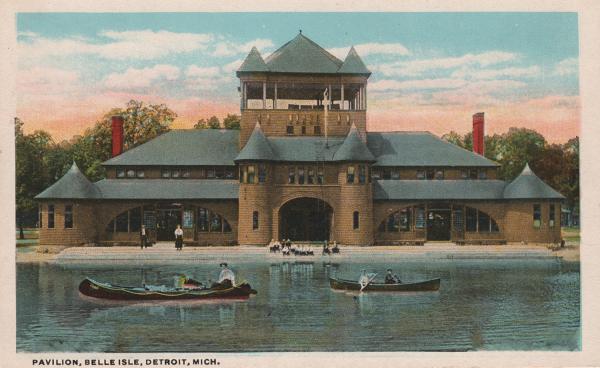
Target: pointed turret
253, 63
353, 148
73, 185
257, 148
353, 64
528, 186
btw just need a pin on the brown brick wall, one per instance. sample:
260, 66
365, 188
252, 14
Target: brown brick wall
83, 231
519, 222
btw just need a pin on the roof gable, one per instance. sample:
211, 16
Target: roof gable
253, 62
353, 64
73, 185
302, 55
189, 147
420, 149
529, 186
353, 148
257, 148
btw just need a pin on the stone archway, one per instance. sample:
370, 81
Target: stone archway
305, 219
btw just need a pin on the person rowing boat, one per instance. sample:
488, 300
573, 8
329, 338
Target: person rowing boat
391, 278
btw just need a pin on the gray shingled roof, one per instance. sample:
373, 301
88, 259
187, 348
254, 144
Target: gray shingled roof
353, 64
302, 55
420, 149
183, 148
73, 185
438, 189
257, 148
305, 149
528, 186
168, 189
253, 63
353, 148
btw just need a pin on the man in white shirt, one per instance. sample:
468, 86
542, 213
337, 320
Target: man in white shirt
226, 274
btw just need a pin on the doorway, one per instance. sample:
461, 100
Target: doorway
438, 224
305, 219
166, 223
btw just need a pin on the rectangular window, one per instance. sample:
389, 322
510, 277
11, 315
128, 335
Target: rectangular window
202, 219
219, 172
473, 174
50, 216
311, 176
457, 219
226, 226
350, 175
120, 173
229, 173
439, 174
135, 219
537, 215
262, 173
395, 174
376, 174
482, 174
420, 218
317, 129
255, 220
215, 223
40, 217
186, 173
362, 174
121, 222
292, 175
303, 130
140, 174
165, 173
430, 174
471, 219
355, 220
464, 174
551, 216
211, 173
243, 174
69, 216
250, 174
149, 219
188, 219
289, 130
176, 174
386, 174
484, 222
421, 174
300, 175
405, 218
130, 173
320, 176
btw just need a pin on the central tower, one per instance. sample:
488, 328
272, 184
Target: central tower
304, 165
302, 90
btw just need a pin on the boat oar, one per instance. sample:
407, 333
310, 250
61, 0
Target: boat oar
368, 282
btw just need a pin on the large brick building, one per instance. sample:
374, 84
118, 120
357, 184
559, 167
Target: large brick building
304, 167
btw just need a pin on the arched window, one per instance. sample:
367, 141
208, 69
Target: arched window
479, 221
398, 221
127, 221
209, 221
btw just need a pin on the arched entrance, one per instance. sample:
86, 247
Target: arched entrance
305, 219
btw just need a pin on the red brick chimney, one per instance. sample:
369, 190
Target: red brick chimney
117, 135
478, 132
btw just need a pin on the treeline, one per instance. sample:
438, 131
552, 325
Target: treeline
40, 161
556, 164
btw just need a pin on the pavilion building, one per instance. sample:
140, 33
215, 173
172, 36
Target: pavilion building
303, 166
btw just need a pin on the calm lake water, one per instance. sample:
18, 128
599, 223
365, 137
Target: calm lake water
495, 304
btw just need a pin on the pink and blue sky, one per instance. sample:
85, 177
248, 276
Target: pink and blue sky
431, 71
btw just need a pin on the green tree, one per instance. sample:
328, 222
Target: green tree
201, 124
454, 138
232, 121
214, 123
518, 146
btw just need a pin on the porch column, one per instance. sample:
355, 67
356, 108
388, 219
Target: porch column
330, 102
275, 98
365, 95
342, 98
245, 95
264, 95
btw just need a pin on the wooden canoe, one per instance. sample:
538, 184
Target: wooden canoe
341, 284
95, 289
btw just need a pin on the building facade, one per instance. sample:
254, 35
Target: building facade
303, 166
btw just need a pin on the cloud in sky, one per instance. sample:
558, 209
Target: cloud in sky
194, 74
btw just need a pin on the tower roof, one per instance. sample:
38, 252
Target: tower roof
353, 64
253, 63
528, 186
302, 55
257, 148
353, 148
73, 185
